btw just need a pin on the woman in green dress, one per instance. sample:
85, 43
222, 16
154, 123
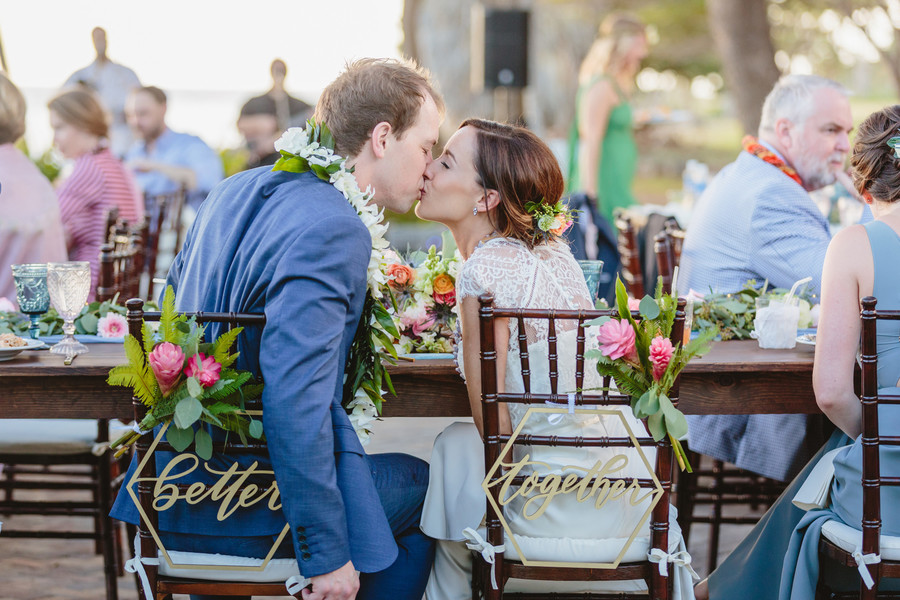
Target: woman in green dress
602, 152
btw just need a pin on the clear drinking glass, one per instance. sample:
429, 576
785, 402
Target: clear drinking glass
591, 269
776, 321
69, 284
31, 292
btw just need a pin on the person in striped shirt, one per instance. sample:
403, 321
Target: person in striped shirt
98, 180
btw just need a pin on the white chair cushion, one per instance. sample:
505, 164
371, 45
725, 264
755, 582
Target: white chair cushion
583, 550
847, 538
47, 436
277, 569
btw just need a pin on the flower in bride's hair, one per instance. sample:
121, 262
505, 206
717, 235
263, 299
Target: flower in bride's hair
166, 361
113, 325
661, 351
617, 340
205, 368
292, 140
562, 224
546, 222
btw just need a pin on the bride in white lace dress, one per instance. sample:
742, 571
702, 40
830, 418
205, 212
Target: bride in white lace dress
478, 187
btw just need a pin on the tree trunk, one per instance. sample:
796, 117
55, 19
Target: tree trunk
740, 29
410, 27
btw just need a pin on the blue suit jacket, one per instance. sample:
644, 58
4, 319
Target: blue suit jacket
290, 246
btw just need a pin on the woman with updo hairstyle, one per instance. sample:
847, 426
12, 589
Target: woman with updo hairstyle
781, 553
98, 180
30, 227
497, 187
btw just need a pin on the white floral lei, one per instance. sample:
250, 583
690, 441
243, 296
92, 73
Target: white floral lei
301, 152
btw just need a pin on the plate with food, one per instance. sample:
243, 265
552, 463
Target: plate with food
12, 345
807, 339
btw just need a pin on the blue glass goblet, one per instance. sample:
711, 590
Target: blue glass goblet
591, 269
31, 293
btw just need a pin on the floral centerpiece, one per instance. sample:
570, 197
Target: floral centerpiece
642, 361
733, 314
103, 319
423, 289
185, 381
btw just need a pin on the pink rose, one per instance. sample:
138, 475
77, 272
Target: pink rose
617, 340
449, 298
204, 368
6, 305
166, 361
113, 325
634, 304
661, 351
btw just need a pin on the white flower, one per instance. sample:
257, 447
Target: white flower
293, 140
362, 414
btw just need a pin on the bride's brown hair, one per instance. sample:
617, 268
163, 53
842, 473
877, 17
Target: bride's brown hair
516, 163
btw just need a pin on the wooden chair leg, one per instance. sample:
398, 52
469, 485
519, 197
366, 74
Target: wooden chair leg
686, 487
715, 525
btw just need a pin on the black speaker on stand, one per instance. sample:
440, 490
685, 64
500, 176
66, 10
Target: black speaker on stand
500, 58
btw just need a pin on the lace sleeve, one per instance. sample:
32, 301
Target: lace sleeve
499, 267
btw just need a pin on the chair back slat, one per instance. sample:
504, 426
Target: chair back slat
164, 213
523, 353
135, 316
552, 356
120, 260
667, 246
579, 362
871, 526
626, 239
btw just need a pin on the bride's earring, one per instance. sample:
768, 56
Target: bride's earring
475, 210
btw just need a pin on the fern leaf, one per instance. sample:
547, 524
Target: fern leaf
127, 376
168, 315
229, 388
149, 340
224, 343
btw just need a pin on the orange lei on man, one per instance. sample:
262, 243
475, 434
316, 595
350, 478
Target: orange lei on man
752, 146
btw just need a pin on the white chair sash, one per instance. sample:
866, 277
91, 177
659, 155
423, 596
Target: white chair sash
488, 552
662, 559
861, 561
136, 565
295, 584
556, 418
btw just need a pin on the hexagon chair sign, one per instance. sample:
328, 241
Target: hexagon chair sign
600, 484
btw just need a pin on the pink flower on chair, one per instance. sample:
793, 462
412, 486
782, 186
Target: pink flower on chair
661, 351
204, 368
634, 304
113, 325
166, 360
617, 340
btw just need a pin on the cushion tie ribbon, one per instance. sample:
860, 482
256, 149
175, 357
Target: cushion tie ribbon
681, 559
295, 584
861, 561
136, 565
479, 544
556, 418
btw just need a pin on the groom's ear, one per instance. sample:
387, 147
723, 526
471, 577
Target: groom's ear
379, 138
490, 200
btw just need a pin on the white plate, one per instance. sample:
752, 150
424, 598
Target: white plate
807, 339
9, 353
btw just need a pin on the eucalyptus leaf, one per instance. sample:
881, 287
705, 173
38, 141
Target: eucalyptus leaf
256, 428
187, 411
648, 308
180, 438
203, 444
194, 387
656, 425
597, 322
89, 322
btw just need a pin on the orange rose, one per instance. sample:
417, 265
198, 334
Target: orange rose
561, 225
442, 284
402, 275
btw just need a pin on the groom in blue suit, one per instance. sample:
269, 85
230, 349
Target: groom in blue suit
290, 245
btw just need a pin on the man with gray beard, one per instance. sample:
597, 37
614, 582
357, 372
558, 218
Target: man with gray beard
756, 220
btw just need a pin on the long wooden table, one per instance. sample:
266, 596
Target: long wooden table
735, 377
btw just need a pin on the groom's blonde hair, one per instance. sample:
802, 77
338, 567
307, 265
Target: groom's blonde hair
371, 91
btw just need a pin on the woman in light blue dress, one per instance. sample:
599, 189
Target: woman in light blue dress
779, 558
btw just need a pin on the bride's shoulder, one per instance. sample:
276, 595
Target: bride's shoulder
497, 260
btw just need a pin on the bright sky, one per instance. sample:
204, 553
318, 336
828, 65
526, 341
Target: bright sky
196, 44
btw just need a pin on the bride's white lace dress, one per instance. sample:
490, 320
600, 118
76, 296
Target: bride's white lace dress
544, 277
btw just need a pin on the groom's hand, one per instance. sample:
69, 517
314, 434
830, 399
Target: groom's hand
337, 585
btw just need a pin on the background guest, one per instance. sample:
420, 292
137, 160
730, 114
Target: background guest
30, 227
602, 150
112, 82
756, 220
98, 180
258, 125
289, 111
164, 160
